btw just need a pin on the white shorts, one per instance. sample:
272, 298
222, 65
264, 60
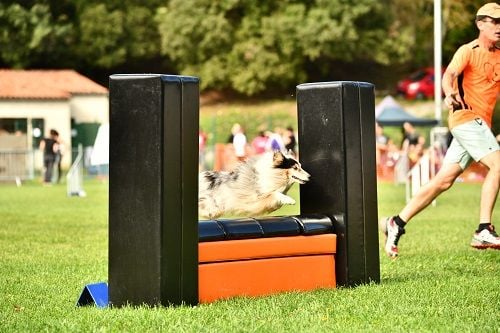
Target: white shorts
472, 140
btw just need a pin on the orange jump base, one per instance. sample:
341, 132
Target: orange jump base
264, 266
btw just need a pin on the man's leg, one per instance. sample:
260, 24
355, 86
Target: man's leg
485, 236
491, 185
443, 180
393, 227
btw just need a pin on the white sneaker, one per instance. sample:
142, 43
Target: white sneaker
487, 238
392, 233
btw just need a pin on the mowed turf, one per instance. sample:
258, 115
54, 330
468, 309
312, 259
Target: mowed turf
52, 245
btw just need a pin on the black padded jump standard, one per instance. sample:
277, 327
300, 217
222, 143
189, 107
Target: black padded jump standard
153, 189
153, 183
337, 147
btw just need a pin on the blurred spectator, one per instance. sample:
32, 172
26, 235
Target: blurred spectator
415, 152
275, 141
413, 143
259, 143
49, 147
59, 154
202, 142
381, 144
386, 153
231, 135
289, 140
410, 136
239, 142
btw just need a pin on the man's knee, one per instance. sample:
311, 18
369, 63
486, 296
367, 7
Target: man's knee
446, 176
492, 162
444, 184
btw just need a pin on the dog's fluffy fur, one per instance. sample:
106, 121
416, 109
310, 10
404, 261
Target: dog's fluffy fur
257, 186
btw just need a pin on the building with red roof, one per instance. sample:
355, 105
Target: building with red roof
34, 101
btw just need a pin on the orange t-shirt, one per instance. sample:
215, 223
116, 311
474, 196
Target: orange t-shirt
478, 83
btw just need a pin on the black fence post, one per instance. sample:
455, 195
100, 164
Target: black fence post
337, 147
153, 188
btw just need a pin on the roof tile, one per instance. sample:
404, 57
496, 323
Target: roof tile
45, 84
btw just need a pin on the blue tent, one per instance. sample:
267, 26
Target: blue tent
390, 113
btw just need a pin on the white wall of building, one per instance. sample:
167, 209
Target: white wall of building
90, 108
55, 113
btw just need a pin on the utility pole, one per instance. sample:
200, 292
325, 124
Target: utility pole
437, 60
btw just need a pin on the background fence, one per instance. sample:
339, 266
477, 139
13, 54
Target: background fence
18, 164
21, 165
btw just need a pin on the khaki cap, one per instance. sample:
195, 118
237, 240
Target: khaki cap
491, 9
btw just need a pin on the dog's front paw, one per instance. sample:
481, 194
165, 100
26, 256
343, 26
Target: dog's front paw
285, 199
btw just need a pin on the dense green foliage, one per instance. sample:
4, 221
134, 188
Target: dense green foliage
248, 46
52, 245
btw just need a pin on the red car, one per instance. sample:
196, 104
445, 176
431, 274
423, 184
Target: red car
419, 85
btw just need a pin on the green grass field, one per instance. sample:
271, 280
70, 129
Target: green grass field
52, 245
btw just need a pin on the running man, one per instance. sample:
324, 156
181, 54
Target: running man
471, 86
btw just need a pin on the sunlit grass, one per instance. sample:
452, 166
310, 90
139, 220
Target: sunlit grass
52, 245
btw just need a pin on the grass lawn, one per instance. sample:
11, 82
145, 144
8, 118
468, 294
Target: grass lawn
51, 246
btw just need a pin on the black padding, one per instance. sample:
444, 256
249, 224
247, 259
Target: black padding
190, 123
241, 228
210, 231
314, 224
336, 123
153, 189
274, 226
270, 226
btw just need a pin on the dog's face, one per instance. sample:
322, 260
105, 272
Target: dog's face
291, 166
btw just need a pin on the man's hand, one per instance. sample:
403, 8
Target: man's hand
454, 102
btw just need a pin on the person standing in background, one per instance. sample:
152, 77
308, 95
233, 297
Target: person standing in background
259, 143
202, 143
49, 146
59, 154
290, 141
381, 145
275, 141
239, 142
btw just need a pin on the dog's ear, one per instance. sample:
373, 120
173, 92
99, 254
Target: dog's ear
278, 157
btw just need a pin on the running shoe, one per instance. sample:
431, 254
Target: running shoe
486, 238
392, 234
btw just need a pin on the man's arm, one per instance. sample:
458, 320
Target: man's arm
452, 98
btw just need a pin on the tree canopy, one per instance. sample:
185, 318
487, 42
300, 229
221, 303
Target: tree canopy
248, 46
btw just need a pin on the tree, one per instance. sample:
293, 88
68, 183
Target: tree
250, 46
28, 36
110, 37
459, 26
100, 36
